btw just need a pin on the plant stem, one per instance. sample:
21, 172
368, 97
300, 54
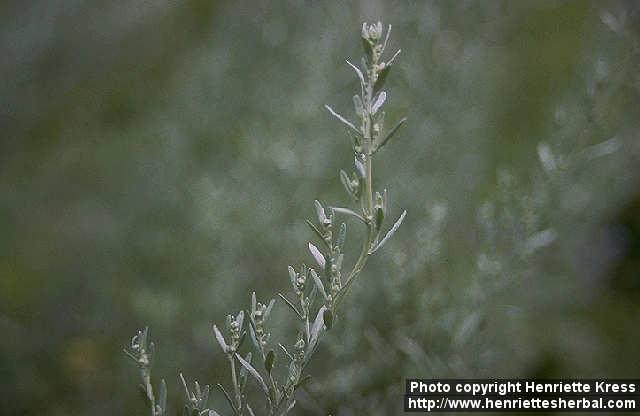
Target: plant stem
236, 388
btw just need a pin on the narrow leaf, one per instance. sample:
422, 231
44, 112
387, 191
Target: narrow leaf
346, 182
390, 233
253, 302
391, 133
163, 396
285, 351
379, 102
322, 217
228, 397
243, 371
317, 256
291, 406
316, 231
318, 283
290, 305
360, 168
220, 339
240, 319
355, 68
186, 389
254, 373
357, 105
342, 119
269, 307
293, 276
393, 58
349, 212
316, 328
213, 413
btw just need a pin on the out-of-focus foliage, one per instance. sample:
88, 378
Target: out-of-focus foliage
157, 160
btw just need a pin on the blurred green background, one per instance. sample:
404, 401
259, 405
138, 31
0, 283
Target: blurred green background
157, 161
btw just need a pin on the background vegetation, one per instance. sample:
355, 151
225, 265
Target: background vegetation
157, 161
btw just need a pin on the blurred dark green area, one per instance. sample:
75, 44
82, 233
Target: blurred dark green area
157, 161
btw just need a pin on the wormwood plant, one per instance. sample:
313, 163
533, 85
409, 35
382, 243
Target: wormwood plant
316, 291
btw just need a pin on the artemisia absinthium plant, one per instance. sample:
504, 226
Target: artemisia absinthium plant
318, 289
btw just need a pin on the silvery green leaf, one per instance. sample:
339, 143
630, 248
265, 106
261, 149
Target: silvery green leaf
269, 360
290, 305
269, 307
318, 283
393, 58
317, 256
254, 373
220, 339
316, 328
391, 133
342, 119
253, 302
355, 68
186, 389
386, 39
227, 396
250, 410
163, 396
346, 182
327, 317
379, 102
322, 217
357, 105
390, 233
286, 352
360, 168
213, 413
349, 212
291, 406
293, 276
243, 371
240, 319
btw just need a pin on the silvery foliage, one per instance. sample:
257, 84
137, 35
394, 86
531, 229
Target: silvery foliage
517, 222
317, 289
